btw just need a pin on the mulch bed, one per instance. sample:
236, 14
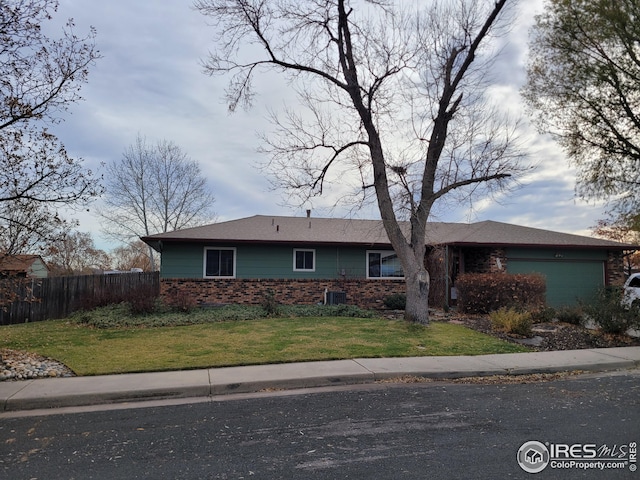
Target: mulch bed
554, 335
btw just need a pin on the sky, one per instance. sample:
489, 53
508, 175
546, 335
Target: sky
150, 82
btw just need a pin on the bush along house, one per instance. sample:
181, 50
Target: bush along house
308, 260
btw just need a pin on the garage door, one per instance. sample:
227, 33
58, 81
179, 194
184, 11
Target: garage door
567, 281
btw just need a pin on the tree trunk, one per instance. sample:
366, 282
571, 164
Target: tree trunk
417, 307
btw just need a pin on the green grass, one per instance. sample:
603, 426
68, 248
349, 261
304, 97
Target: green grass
94, 351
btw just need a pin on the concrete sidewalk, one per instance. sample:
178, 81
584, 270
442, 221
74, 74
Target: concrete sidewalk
81, 391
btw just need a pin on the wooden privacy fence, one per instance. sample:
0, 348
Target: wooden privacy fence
39, 299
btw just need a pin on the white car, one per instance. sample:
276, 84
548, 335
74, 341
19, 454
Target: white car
631, 290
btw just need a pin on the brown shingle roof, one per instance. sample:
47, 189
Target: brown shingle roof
497, 233
18, 263
277, 229
273, 229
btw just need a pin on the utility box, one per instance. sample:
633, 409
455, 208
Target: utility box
336, 298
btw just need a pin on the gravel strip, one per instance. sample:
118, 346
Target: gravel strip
17, 365
488, 380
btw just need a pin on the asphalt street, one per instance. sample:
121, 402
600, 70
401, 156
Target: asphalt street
434, 430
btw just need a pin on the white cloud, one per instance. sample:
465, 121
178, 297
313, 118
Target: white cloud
150, 81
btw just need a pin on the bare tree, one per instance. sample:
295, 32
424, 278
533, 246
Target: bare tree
25, 227
134, 255
39, 79
154, 189
75, 253
391, 99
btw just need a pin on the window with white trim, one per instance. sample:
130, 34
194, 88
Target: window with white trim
304, 260
219, 262
383, 264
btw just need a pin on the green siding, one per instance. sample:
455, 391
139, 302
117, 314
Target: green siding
38, 269
570, 275
556, 254
182, 261
276, 261
265, 261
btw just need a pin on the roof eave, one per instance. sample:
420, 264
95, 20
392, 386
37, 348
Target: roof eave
156, 243
220, 241
544, 245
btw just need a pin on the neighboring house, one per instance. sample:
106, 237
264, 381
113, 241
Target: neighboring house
30, 266
300, 259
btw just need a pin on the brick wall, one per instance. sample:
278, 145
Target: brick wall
485, 260
363, 293
615, 268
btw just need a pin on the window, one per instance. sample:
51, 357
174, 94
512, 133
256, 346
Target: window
383, 264
304, 260
219, 262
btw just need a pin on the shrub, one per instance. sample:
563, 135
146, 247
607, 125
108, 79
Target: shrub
141, 299
100, 298
114, 315
608, 313
510, 320
543, 315
396, 301
141, 304
180, 302
486, 292
270, 304
572, 315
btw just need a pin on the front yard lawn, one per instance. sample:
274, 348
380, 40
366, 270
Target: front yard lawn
88, 350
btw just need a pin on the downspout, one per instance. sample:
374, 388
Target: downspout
447, 289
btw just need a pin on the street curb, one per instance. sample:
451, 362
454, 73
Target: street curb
107, 389
288, 376
138, 387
